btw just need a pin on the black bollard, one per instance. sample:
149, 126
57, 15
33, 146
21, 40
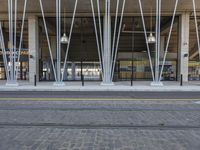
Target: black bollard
82, 79
181, 81
132, 81
35, 80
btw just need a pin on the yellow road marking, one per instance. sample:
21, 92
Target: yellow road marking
96, 99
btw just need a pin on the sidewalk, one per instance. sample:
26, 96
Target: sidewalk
99, 125
96, 86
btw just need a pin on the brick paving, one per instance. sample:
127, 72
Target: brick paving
97, 139
99, 125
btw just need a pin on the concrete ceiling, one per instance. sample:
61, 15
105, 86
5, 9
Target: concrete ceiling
84, 6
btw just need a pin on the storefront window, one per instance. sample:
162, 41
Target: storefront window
2, 71
169, 71
194, 70
141, 70
90, 70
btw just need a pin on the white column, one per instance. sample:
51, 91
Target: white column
184, 24
33, 48
53, 48
157, 82
107, 50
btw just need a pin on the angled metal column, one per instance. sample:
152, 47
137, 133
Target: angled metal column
21, 38
115, 46
48, 39
59, 81
146, 39
99, 39
70, 35
107, 45
11, 64
168, 39
157, 82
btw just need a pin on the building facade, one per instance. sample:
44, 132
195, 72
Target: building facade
100, 40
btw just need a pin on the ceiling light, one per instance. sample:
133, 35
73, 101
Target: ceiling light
151, 38
64, 39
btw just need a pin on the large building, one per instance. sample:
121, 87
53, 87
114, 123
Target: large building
102, 40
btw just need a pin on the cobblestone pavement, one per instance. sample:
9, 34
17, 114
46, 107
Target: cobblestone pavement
99, 125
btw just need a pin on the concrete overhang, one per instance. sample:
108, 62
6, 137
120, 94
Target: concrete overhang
84, 7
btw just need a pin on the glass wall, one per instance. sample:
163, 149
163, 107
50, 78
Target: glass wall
194, 63
82, 55
22, 67
90, 70
133, 57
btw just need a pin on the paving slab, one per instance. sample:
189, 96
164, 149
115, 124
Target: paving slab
96, 86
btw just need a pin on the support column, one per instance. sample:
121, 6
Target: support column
157, 52
184, 31
12, 44
53, 47
33, 48
59, 81
107, 46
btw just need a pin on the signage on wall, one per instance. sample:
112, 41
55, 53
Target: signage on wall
22, 53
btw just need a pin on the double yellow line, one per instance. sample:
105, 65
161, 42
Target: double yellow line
96, 99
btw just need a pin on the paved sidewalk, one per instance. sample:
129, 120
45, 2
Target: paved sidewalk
96, 86
99, 125
27, 138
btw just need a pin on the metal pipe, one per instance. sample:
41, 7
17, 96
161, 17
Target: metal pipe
100, 51
10, 6
100, 27
22, 29
168, 39
145, 34
114, 34
21, 36
196, 25
105, 41
101, 37
70, 34
109, 38
58, 40
132, 43
58, 28
119, 32
48, 41
15, 41
157, 53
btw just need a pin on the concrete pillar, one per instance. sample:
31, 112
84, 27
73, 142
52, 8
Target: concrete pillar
184, 29
33, 48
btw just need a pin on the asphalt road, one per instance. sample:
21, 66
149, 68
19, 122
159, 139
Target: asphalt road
103, 95
99, 121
